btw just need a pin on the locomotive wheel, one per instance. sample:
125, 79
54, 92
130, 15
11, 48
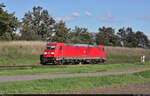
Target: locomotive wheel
61, 62
56, 62
42, 60
103, 61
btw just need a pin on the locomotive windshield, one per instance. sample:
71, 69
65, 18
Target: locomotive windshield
51, 47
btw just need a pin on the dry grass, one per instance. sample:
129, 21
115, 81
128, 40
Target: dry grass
34, 47
22, 43
19, 50
24, 47
126, 55
127, 51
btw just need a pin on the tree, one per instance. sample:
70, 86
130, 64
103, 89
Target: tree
130, 38
8, 24
82, 36
122, 36
142, 40
127, 37
37, 25
61, 32
106, 36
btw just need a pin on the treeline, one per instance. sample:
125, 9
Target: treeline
39, 25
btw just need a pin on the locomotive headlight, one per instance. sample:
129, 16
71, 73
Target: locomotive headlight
45, 53
52, 52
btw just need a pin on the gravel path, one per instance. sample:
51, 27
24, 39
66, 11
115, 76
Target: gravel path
51, 76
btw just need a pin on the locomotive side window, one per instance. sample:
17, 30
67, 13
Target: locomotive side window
60, 47
50, 47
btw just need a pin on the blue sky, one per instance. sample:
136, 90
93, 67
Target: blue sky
91, 14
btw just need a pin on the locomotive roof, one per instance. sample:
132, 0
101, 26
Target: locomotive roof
82, 45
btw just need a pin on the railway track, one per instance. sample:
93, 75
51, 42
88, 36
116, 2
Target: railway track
28, 67
35, 66
14, 67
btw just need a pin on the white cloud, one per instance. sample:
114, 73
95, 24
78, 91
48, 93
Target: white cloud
68, 18
107, 18
108, 15
148, 34
88, 13
65, 19
147, 18
75, 14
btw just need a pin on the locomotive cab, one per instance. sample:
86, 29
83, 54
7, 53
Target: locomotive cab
49, 54
52, 52
49, 51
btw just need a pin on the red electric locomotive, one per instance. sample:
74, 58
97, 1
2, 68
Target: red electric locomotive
61, 53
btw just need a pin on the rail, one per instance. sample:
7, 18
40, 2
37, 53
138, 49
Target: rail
15, 67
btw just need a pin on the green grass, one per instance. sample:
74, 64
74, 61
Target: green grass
9, 60
69, 84
76, 69
19, 55
123, 59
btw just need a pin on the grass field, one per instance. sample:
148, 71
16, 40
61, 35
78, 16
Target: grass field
76, 69
28, 53
126, 55
74, 83
20, 53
